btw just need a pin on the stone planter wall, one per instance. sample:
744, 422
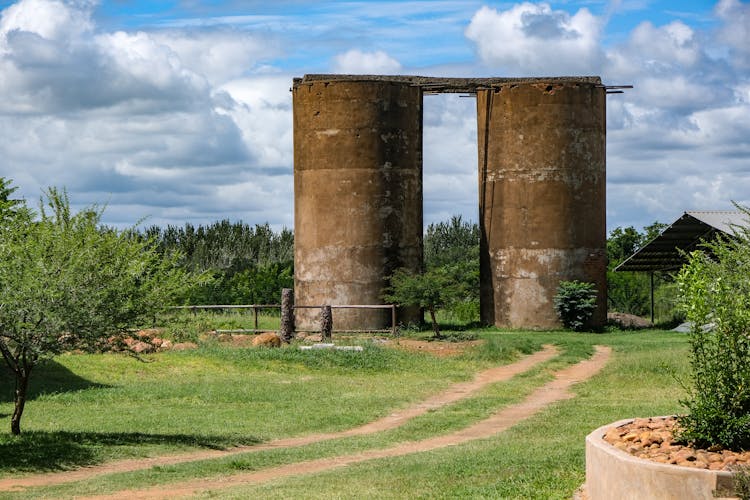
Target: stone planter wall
613, 474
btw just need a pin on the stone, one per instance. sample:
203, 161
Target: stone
627, 321
268, 339
141, 347
183, 346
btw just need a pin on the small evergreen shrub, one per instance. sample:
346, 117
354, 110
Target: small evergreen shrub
575, 303
715, 296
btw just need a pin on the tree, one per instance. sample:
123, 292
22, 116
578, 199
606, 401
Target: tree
8, 206
68, 282
454, 247
248, 264
451, 242
432, 290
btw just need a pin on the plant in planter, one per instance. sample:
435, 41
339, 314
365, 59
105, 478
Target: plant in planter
715, 296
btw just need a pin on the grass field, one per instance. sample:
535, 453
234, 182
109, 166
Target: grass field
86, 409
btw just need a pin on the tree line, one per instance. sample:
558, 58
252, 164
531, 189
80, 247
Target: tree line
450, 280
245, 264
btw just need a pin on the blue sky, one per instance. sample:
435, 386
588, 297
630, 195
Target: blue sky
180, 111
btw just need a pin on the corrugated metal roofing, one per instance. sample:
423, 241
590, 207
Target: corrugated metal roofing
664, 253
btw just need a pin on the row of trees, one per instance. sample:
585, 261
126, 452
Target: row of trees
246, 264
451, 277
251, 264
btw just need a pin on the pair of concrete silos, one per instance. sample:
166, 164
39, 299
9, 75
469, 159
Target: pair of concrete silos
358, 192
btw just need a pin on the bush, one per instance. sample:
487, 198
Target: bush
575, 303
715, 297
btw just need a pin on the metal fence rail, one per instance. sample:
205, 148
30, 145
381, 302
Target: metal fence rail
256, 307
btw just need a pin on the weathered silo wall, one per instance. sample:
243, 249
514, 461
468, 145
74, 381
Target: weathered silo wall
542, 197
357, 192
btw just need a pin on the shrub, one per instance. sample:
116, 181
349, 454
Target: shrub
715, 296
575, 303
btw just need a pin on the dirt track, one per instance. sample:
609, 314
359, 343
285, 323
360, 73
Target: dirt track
556, 390
454, 393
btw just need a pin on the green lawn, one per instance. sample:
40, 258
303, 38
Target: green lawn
87, 409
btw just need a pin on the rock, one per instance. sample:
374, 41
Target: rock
141, 347
268, 339
183, 346
166, 345
627, 321
631, 436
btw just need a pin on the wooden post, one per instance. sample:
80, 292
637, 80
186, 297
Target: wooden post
255, 312
326, 322
652, 298
287, 314
394, 328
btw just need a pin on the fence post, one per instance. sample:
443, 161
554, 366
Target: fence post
287, 314
255, 313
326, 322
394, 328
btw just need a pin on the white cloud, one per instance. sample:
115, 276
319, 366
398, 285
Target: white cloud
49, 19
263, 112
137, 119
735, 31
220, 55
357, 62
532, 40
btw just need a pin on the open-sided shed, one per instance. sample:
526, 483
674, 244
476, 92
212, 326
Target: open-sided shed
667, 251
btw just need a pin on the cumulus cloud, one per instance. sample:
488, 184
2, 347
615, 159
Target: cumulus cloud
679, 139
138, 119
369, 63
532, 40
450, 158
220, 55
735, 30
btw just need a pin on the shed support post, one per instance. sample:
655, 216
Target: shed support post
652, 297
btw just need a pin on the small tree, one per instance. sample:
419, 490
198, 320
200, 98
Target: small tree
715, 296
431, 290
67, 282
575, 303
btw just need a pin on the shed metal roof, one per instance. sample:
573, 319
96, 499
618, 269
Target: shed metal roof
664, 253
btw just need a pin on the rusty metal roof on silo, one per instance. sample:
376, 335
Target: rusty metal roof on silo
666, 251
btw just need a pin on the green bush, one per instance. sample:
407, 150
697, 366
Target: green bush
715, 296
575, 303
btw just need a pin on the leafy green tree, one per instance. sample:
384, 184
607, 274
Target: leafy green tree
434, 289
715, 296
8, 206
454, 247
446, 243
248, 264
68, 282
